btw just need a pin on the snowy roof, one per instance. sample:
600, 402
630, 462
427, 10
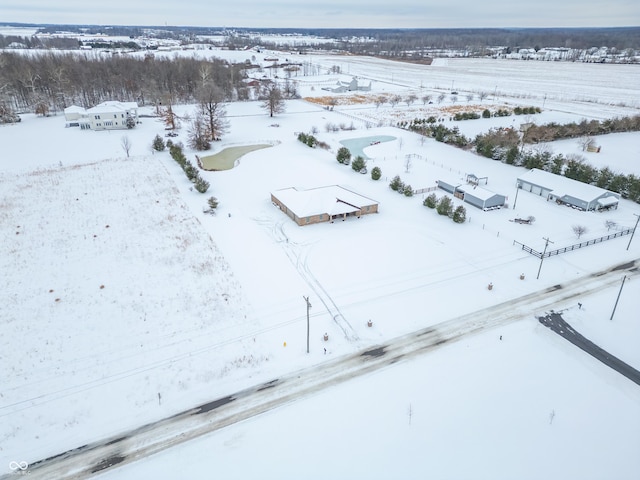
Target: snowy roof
332, 200
74, 109
561, 186
478, 192
123, 105
113, 106
612, 200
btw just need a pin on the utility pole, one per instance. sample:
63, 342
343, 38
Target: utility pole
516, 199
616, 305
634, 231
543, 253
306, 299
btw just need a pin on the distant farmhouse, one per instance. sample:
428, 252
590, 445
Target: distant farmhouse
322, 204
351, 86
105, 116
474, 195
566, 191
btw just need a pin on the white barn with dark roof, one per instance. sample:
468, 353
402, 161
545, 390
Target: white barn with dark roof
322, 204
566, 191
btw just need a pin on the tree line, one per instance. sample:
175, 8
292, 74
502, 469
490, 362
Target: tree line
507, 145
52, 81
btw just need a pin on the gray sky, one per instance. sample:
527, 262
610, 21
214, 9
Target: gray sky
328, 13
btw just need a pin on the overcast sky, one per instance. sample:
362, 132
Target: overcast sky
328, 13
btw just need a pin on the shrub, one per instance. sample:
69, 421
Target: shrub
376, 173
396, 184
358, 163
459, 214
486, 113
343, 156
308, 140
408, 191
158, 144
431, 201
201, 185
190, 171
445, 206
213, 203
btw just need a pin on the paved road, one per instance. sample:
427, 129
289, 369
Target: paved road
556, 323
86, 460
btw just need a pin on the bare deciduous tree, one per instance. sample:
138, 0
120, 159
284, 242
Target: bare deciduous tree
579, 230
213, 111
126, 144
407, 163
585, 142
272, 99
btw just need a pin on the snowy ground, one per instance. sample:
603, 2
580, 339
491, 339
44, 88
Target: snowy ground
123, 303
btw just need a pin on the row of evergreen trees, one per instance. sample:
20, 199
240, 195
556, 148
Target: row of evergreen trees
358, 164
444, 206
192, 173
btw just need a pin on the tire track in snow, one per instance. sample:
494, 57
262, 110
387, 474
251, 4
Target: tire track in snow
298, 256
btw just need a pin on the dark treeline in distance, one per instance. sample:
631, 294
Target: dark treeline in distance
376, 41
52, 81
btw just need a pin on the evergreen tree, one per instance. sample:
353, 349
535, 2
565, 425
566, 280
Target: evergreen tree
397, 185
344, 155
460, 214
376, 173
201, 185
408, 191
445, 206
431, 201
158, 144
358, 163
213, 203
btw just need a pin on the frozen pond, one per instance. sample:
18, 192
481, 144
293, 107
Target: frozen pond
357, 145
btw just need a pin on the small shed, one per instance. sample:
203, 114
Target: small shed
477, 196
481, 197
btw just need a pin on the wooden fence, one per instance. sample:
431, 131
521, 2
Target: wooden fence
575, 246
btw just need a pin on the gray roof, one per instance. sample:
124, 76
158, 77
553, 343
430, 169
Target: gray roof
561, 186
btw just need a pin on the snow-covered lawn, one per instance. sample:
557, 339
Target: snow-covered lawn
122, 302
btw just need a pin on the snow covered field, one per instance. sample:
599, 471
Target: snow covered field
124, 303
